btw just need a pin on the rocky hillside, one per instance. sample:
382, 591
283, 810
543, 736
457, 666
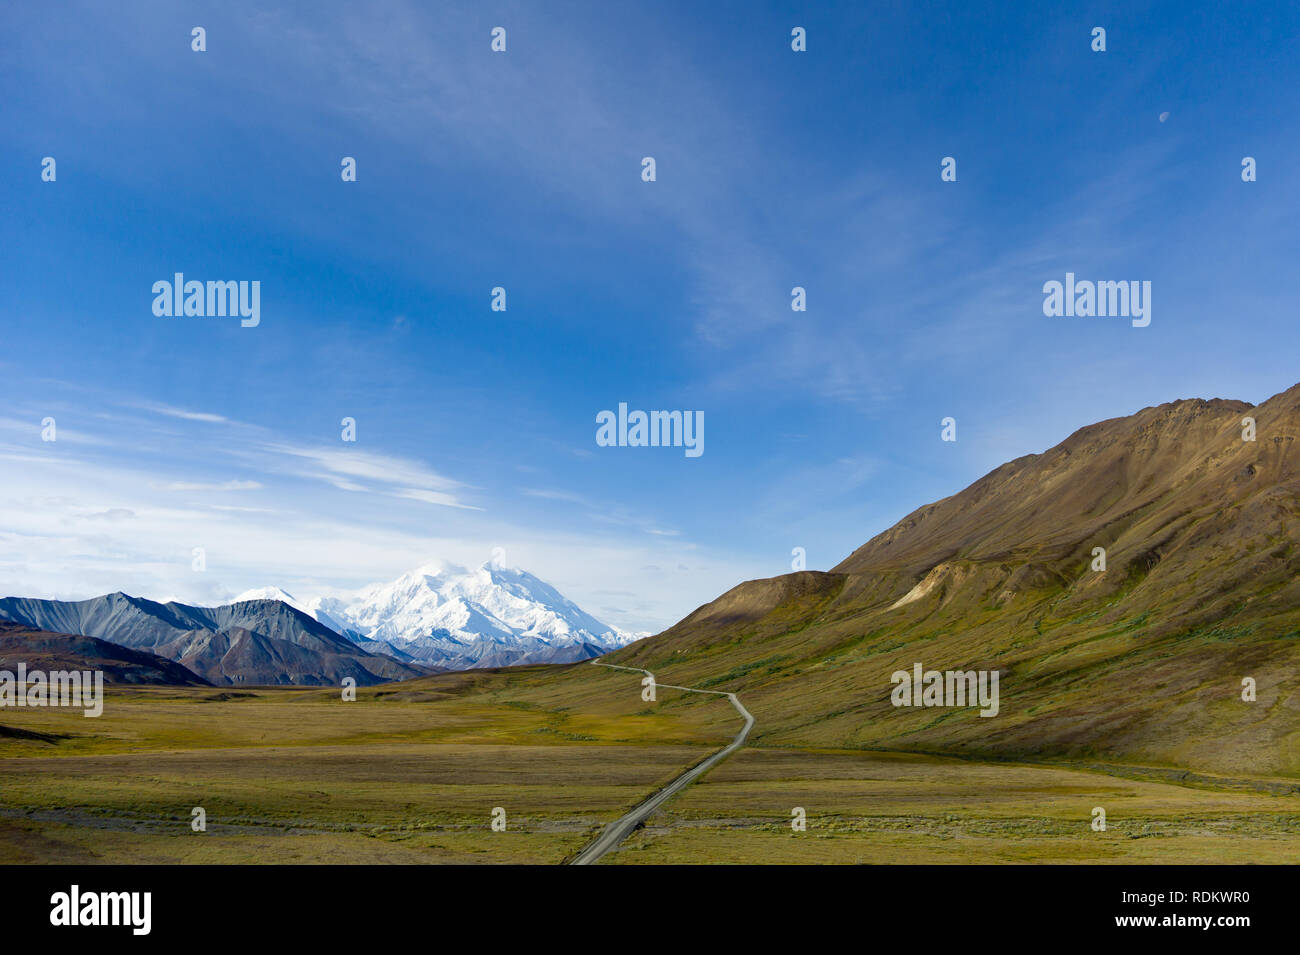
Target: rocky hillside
47, 652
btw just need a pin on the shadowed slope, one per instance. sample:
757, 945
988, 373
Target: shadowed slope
252, 642
47, 652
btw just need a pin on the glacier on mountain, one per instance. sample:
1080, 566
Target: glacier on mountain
451, 617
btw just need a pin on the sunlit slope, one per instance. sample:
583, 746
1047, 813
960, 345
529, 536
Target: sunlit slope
1142, 662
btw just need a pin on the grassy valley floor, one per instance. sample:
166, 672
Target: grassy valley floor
411, 773
895, 808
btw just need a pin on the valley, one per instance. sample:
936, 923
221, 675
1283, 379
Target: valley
410, 773
1141, 707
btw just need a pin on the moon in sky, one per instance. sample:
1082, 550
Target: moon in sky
1164, 116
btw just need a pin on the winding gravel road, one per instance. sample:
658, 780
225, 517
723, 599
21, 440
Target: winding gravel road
620, 828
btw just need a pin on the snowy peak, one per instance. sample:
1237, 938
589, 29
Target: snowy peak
492, 615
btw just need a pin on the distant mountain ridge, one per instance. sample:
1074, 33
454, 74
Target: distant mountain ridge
437, 617
447, 616
260, 642
45, 651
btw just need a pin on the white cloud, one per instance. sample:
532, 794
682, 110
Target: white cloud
433, 497
186, 415
83, 523
200, 486
552, 495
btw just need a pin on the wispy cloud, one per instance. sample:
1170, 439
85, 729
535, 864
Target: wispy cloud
352, 469
432, 497
185, 415
554, 495
202, 486
80, 528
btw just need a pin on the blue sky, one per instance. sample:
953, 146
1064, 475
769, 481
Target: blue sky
476, 429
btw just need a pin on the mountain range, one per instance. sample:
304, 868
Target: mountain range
438, 617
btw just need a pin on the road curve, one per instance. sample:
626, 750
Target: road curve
620, 828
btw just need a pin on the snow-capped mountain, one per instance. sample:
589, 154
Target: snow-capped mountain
457, 618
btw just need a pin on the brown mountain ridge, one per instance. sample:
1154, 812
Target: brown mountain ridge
47, 652
1142, 662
